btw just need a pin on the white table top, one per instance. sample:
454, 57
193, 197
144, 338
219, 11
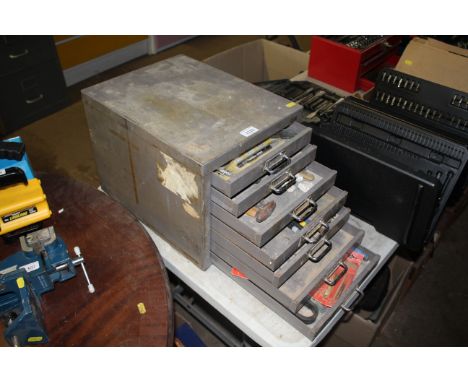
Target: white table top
252, 317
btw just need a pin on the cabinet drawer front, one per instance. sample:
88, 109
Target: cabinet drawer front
20, 52
310, 330
309, 276
288, 240
247, 198
270, 156
31, 92
273, 213
290, 266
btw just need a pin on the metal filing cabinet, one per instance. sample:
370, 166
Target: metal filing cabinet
159, 132
31, 80
221, 169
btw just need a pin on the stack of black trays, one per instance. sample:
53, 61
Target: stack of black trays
399, 175
279, 228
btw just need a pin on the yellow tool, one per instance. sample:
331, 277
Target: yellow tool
22, 205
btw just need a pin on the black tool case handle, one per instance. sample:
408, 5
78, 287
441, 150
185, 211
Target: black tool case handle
12, 150
11, 176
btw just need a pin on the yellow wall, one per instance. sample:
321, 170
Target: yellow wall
84, 48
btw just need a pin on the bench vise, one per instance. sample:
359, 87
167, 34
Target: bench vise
25, 276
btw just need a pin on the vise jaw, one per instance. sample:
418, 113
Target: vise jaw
24, 277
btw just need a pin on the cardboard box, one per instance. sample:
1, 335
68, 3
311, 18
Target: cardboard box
260, 60
357, 329
436, 61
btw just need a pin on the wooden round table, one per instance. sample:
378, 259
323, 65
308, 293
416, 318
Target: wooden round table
132, 305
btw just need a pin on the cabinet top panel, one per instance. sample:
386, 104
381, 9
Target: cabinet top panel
201, 112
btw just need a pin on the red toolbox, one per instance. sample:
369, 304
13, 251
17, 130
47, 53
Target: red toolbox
344, 67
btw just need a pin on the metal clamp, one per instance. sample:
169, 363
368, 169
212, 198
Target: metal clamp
34, 100
23, 53
275, 164
282, 183
318, 252
332, 282
315, 234
304, 210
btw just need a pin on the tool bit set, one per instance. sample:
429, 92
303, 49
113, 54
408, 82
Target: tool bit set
318, 102
433, 106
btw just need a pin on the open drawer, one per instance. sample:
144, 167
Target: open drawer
276, 251
268, 157
277, 183
319, 246
298, 203
321, 314
295, 291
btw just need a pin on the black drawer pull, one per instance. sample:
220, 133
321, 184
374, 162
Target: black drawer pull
319, 250
332, 282
18, 55
278, 162
316, 233
34, 100
304, 210
282, 183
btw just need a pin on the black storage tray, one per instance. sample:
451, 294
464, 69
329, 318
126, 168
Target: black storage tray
426, 103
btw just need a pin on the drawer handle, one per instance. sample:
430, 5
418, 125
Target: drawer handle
282, 183
319, 250
332, 282
34, 100
314, 312
278, 162
18, 55
304, 210
316, 233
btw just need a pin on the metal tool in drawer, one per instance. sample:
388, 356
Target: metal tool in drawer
269, 157
288, 240
313, 316
299, 202
319, 245
267, 184
295, 291
426, 103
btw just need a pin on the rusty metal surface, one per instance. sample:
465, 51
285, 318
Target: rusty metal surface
125, 268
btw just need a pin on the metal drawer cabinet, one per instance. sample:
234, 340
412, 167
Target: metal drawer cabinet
297, 203
290, 238
276, 183
268, 157
160, 132
32, 93
20, 52
313, 316
294, 293
318, 247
